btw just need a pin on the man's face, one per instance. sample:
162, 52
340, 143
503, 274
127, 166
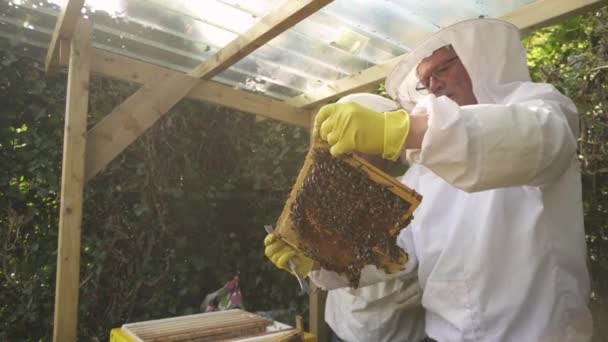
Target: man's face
443, 73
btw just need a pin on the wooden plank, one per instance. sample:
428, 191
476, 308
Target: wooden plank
64, 52
128, 69
249, 102
548, 12
210, 326
316, 314
531, 17
131, 118
64, 29
317, 297
364, 81
72, 184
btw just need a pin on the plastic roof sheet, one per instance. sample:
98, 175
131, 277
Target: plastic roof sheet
343, 38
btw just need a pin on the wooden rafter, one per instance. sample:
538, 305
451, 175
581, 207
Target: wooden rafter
128, 69
548, 12
64, 29
136, 114
72, 185
316, 308
366, 80
534, 16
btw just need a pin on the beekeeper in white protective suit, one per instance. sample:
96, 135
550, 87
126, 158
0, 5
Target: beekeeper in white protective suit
499, 234
387, 310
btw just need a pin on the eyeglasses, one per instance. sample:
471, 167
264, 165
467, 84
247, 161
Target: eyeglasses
440, 72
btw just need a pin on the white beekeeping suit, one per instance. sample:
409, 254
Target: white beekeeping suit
389, 309
499, 234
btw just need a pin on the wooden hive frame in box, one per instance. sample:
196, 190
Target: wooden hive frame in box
340, 250
215, 326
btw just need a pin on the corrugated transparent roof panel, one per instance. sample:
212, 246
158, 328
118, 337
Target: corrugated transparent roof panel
343, 38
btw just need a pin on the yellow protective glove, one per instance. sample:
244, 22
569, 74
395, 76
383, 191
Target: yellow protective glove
279, 253
351, 127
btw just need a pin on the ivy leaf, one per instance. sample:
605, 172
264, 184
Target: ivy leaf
139, 209
8, 59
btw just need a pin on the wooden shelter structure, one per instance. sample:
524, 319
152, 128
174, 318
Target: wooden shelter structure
275, 59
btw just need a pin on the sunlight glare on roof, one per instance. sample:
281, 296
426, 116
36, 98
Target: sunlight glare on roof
216, 12
115, 8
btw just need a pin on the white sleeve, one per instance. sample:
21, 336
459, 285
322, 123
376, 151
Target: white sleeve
329, 280
486, 146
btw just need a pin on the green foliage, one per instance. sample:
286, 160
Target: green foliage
30, 140
173, 218
573, 56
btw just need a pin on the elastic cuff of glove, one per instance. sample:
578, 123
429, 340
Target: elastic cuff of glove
396, 129
304, 268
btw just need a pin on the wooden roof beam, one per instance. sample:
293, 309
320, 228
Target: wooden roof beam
531, 17
113, 65
136, 114
363, 81
64, 30
548, 12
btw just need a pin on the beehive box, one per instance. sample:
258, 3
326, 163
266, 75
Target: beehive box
345, 213
204, 327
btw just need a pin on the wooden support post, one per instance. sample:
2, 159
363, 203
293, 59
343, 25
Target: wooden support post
316, 312
64, 53
317, 297
72, 184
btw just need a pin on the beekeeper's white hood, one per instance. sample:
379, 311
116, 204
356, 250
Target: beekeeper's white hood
490, 50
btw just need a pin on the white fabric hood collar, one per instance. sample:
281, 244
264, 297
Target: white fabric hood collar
490, 50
